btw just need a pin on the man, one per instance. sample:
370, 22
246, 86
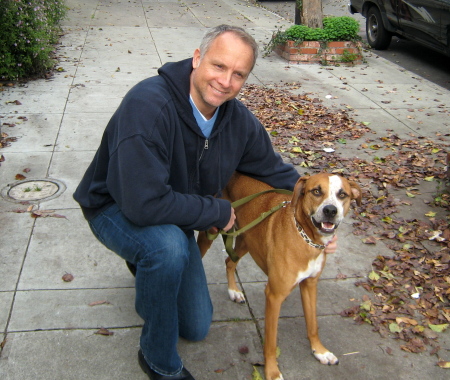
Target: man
164, 158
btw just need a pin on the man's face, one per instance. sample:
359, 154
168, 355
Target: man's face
221, 73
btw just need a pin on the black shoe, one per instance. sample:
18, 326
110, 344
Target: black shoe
132, 268
152, 375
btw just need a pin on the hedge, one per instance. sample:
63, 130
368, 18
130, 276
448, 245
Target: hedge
28, 32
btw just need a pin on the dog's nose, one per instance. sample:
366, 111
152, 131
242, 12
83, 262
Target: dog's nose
330, 211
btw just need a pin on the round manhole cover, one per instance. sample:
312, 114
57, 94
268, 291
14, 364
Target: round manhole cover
33, 190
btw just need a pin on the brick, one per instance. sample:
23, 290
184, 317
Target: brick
337, 44
306, 50
315, 44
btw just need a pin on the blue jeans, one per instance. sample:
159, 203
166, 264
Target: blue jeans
172, 295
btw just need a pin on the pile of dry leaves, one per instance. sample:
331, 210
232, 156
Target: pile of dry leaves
409, 291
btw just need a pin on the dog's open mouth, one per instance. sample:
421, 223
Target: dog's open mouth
325, 227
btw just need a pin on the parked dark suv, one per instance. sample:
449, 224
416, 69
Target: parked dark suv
424, 21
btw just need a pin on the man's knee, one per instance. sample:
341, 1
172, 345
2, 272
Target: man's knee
168, 245
195, 333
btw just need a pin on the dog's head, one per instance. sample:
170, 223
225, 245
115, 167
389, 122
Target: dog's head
323, 200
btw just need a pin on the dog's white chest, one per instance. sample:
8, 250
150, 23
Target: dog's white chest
314, 268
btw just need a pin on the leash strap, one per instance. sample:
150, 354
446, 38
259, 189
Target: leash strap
228, 237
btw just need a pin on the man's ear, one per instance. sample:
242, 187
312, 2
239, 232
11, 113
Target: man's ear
196, 58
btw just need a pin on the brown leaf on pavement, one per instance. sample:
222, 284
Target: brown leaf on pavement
20, 177
45, 214
95, 303
443, 364
103, 331
243, 350
67, 277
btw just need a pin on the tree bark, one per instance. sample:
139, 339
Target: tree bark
309, 13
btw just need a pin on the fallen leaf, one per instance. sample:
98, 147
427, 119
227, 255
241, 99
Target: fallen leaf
95, 303
438, 328
45, 214
68, 277
374, 276
406, 320
20, 177
243, 350
256, 375
369, 240
103, 331
366, 305
394, 328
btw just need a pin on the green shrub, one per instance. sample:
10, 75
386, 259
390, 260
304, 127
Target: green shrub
342, 28
29, 29
304, 33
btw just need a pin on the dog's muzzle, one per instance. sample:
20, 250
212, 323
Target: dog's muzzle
327, 225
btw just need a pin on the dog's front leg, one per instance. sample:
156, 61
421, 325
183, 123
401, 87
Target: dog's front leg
273, 307
234, 292
203, 242
308, 288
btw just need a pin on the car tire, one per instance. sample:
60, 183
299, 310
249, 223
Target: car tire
377, 35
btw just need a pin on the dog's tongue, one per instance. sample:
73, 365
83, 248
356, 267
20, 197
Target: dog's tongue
327, 226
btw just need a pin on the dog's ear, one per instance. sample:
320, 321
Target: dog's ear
356, 192
298, 190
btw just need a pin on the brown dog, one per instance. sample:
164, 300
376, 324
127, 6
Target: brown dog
289, 247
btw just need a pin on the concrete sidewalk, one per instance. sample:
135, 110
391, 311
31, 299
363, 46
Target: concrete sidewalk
48, 326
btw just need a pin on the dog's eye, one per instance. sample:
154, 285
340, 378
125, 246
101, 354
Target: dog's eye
342, 195
316, 192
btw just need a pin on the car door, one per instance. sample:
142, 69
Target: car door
445, 22
421, 19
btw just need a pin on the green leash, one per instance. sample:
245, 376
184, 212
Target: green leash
228, 237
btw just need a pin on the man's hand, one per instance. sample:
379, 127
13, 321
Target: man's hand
332, 245
230, 224
215, 230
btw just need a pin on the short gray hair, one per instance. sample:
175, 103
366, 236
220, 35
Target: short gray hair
215, 32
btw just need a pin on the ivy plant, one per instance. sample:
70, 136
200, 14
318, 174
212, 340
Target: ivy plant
341, 28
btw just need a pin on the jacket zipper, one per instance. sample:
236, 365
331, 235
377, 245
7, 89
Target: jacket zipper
205, 147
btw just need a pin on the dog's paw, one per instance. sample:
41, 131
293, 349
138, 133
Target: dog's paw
326, 358
236, 296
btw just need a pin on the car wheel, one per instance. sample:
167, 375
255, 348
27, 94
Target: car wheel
377, 35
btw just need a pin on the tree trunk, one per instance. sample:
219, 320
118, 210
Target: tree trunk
309, 13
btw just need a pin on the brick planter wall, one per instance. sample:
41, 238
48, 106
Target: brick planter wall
330, 53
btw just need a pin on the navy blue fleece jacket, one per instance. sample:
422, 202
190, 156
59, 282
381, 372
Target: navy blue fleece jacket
155, 163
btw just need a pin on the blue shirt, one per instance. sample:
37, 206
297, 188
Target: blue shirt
205, 125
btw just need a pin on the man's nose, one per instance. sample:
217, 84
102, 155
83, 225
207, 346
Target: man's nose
225, 79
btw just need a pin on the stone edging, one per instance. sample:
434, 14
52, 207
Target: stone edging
328, 53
